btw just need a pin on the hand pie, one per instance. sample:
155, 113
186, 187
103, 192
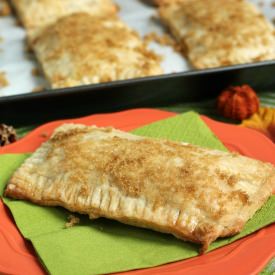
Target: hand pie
4, 8
39, 13
80, 49
193, 193
216, 33
164, 2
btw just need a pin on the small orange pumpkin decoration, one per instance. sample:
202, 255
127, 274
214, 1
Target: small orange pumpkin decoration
238, 102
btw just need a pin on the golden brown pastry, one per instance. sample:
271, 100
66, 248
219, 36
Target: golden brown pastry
215, 33
193, 193
165, 2
5, 9
80, 49
39, 13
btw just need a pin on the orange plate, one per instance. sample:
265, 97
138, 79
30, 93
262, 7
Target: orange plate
246, 256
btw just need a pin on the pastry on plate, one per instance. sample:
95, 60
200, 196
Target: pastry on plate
196, 194
81, 49
217, 33
39, 13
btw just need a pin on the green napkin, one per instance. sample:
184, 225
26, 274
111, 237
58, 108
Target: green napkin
105, 246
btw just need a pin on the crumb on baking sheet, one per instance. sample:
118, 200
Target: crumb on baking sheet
72, 220
261, 3
118, 8
273, 4
162, 39
38, 89
17, 22
36, 72
3, 80
27, 48
4, 8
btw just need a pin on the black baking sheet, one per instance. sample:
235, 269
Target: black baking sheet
144, 92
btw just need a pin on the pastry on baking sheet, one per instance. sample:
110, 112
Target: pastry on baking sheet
39, 13
164, 2
193, 193
80, 49
215, 33
5, 8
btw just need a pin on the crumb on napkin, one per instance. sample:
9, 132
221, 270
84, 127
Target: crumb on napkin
72, 221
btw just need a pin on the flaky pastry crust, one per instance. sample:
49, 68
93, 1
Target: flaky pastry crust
196, 194
217, 33
80, 49
40, 13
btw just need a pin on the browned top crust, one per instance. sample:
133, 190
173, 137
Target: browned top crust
216, 33
193, 193
165, 2
40, 13
81, 49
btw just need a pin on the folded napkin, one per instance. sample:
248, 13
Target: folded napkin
105, 246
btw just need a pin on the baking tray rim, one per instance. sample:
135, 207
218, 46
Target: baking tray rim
51, 93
